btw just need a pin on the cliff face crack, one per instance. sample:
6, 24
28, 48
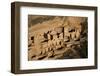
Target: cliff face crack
57, 38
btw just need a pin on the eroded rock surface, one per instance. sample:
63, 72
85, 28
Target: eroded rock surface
55, 37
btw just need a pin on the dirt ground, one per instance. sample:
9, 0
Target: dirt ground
57, 37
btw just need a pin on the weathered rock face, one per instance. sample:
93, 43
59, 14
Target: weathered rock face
57, 37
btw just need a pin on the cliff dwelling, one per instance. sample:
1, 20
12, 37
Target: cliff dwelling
57, 37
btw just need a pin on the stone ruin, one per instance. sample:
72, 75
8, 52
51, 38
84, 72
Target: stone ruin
68, 41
